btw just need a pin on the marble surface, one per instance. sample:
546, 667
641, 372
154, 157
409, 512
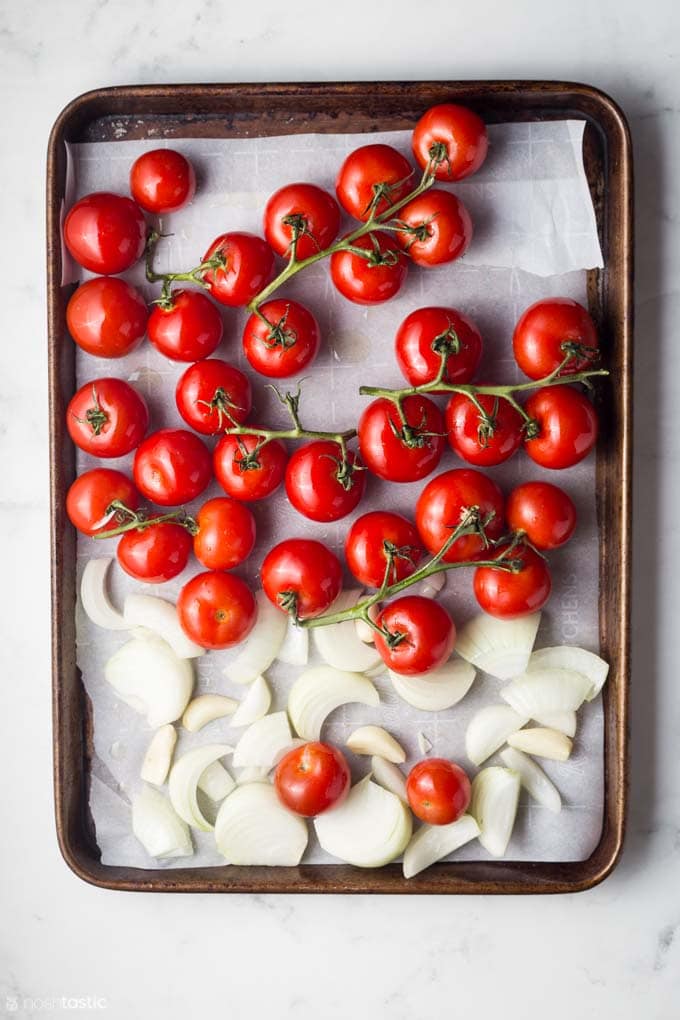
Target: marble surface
612, 952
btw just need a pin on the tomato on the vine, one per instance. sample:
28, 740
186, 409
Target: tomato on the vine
216, 610
313, 778
508, 595
483, 439
439, 228
426, 335
401, 450
443, 505
211, 395
248, 266
438, 791
162, 181
548, 332
107, 418
226, 533
107, 317
375, 277
156, 552
90, 499
372, 179
304, 214
302, 577
282, 339
246, 470
454, 137
370, 539
187, 328
543, 512
422, 635
322, 484
172, 466
105, 233
567, 426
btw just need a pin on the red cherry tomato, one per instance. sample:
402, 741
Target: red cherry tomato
443, 504
550, 330
162, 181
319, 485
301, 212
401, 452
441, 228
426, 334
483, 439
156, 553
107, 418
543, 512
246, 472
302, 577
370, 538
454, 135
509, 595
373, 174
286, 343
311, 779
248, 267
422, 635
226, 533
438, 791
105, 233
216, 610
172, 466
370, 280
90, 498
211, 393
107, 317
567, 426
188, 329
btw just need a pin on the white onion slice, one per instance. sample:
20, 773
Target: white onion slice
255, 705
432, 842
376, 740
184, 777
158, 757
437, 690
430, 586
160, 617
262, 645
148, 675
262, 741
157, 827
95, 597
253, 828
565, 722
319, 691
546, 691
370, 828
252, 774
295, 648
389, 777
206, 708
489, 729
533, 779
543, 742
495, 794
578, 659
215, 782
339, 645
499, 647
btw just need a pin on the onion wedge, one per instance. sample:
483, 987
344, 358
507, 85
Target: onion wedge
495, 794
533, 779
252, 774
370, 828
262, 741
262, 645
149, 677
157, 827
215, 782
254, 828
339, 645
498, 647
158, 757
489, 729
295, 648
206, 708
184, 778
255, 705
570, 657
437, 690
432, 842
376, 740
319, 691
389, 777
546, 692
95, 597
160, 617
542, 742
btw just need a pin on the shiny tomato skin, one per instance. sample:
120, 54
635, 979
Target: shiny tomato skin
388, 455
288, 345
107, 418
216, 610
442, 503
543, 512
365, 550
210, 391
105, 233
249, 267
541, 331
509, 596
89, 499
438, 791
249, 483
171, 467
226, 533
368, 165
311, 779
461, 131
364, 283
313, 486
448, 225
429, 635
567, 426
302, 577
419, 362
107, 317
463, 423
162, 181
316, 207
155, 554
189, 329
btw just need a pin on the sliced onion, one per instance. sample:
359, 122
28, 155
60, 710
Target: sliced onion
215, 782
206, 708
158, 757
160, 617
253, 828
565, 722
157, 827
495, 795
376, 740
255, 705
533, 779
295, 647
437, 690
578, 659
370, 828
424, 743
498, 647
95, 597
148, 675
184, 778
339, 644
489, 729
364, 630
389, 777
543, 742
319, 691
252, 774
262, 741
546, 691
432, 842
262, 645
431, 586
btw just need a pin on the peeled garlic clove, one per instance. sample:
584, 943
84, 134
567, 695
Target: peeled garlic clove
158, 757
206, 708
376, 740
542, 742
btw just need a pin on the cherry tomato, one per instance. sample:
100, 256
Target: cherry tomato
373, 178
107, 418
248, 267
286, 343
550, 330
226, 533
301, 212
398, 451
428, 333
371, 537
311, 779
422, 635
246, 473
506, 595
443, 503
172, 466
302, 577
155, 553
90, 498
216, 610
453, 135
567, 426
438, 791
211, 393
370, 280
543, 512
483, 439
441, 228
107, 317
319, 485
187, 329
105, 233
162, 181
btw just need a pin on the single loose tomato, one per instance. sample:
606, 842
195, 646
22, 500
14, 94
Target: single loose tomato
105, 233
187, 328
304, 215
226, 533
453, 138
172, 466
321, 484
162, 181
107, 418
446, 502
92, 500
373, 278
439, 228
438, 791
282, 339
372, 537
211, 395
107, 317
216, 610
543, 512
567, 426
246, 266
422, 635
156, 552
248, 470
401, 450
302, 577
550, 331
483, 439
427, 335
508, 595
311, 779
372, 179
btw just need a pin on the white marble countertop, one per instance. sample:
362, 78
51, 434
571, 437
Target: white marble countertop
612, 952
